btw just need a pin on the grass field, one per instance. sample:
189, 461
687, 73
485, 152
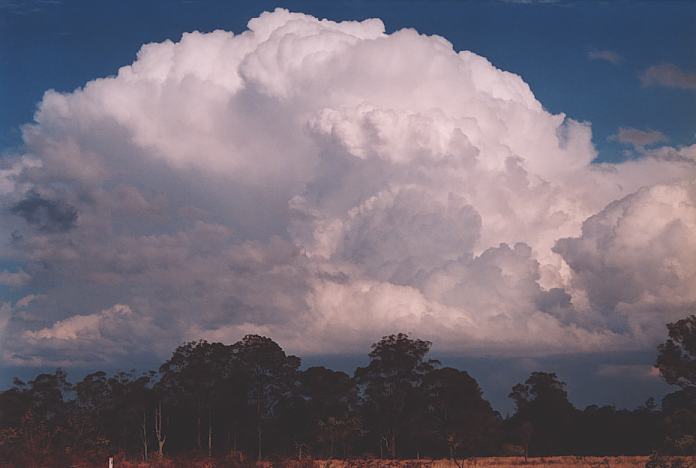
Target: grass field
502, 462
487, 462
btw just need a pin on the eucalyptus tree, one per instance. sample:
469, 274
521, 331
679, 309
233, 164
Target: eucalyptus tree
459, 417
331, 409
190, 383
676, 357
391, 388
544, 416
676, 361
272, 378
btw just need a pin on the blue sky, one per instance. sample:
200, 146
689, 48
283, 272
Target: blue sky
206, 212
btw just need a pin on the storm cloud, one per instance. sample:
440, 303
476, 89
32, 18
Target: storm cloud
46, 215
324, 184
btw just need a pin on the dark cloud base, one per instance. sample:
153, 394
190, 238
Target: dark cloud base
44, 214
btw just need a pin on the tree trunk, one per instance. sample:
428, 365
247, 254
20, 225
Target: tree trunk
259, 389
161, 437
144, 435
210, 433
198, 431
258, 431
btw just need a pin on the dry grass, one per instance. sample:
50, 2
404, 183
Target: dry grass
503, 462
484, 462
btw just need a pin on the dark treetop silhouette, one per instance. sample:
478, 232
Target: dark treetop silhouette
250, 400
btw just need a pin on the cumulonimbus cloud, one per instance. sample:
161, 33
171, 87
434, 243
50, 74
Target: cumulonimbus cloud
326, 183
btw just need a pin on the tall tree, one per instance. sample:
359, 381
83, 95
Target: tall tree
391, 386
676, 358
676, 361
45, 430
272, 377
115, 408
190, 379
94, 406
460, 418
330, 408
544, 416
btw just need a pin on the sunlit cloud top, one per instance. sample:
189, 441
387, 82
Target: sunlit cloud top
325, 183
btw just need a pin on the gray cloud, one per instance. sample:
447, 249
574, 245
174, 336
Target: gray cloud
28, 7
46, 215
631, 371
639, 139
668, 75
606, 56
536, 2
14, 279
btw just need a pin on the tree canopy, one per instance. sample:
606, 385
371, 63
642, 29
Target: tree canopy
676, 358
251, 400
676, 361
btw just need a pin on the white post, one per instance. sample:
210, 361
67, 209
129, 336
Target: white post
111, 462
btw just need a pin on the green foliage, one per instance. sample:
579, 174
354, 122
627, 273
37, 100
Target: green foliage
676, 361
676, 358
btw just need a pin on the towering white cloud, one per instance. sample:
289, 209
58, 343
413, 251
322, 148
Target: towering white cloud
636, 259
326, 183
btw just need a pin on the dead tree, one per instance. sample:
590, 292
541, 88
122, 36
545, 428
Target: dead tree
159, 433
144, 436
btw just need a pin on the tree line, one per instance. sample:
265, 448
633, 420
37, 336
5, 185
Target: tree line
250, 400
